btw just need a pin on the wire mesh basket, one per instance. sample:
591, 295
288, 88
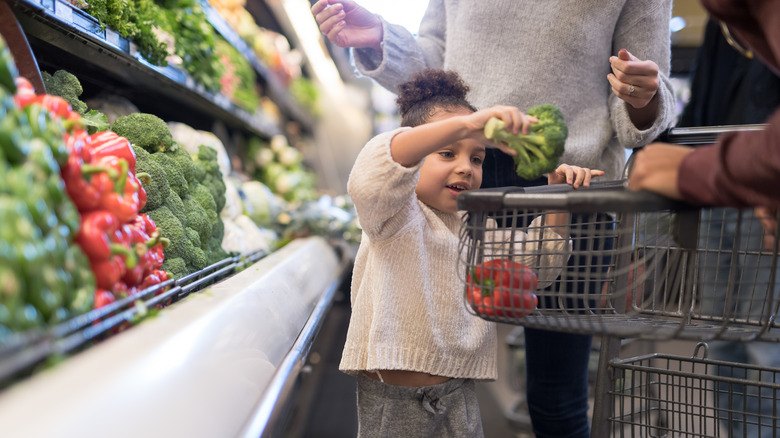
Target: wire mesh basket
609, 261
662, 395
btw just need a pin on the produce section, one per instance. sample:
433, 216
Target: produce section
155, 167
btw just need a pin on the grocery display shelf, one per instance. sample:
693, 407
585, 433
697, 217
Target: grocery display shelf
22, 353
60, 25
223, 362
275, 89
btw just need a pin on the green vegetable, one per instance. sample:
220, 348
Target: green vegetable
183, 161
199, 219
67, 86
135, 20
144, 130
539, 150
176, 179
207, 165
157, 188
175, 267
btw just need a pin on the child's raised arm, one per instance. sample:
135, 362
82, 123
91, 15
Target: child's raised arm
409, 147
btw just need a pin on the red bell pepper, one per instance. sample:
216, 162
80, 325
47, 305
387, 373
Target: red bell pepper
502, 287
109, 144
86, 184
25, 92
102, 298
107, 245
121, 197
502, 302
148, 246
154, 278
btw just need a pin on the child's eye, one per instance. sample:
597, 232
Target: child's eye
446, 154
477, 160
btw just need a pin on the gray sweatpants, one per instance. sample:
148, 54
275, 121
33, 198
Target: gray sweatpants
447, 410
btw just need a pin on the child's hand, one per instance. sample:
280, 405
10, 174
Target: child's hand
573, 175
516, 121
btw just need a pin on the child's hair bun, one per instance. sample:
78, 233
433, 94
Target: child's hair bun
431, 87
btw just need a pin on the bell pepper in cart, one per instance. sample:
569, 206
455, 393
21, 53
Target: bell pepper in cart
502, 287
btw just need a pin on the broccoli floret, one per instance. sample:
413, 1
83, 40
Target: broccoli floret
156, 188
145, 130
193, 236
173, 230
215, 253
206, 165
175, 178
175, 204
201, 194
197, 259
67, 86
539, 150
198, 219
175, 267
183, 162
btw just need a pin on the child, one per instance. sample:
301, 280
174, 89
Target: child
415, 348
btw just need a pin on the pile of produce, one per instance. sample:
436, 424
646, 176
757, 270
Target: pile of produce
44, 277
280, 167
72, 236
185, 193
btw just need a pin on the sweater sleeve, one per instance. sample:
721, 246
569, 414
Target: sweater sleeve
742, 169
402, 55
382, 189
540, 248
643, 30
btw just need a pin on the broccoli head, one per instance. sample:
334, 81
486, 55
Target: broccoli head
173, 230
183, 162
157, 188
539, 150
175, 267
198, 219
67, 86
145, 130
176, 206
172, 172
207, 168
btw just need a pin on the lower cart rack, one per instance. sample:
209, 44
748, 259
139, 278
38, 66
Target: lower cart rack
662, 395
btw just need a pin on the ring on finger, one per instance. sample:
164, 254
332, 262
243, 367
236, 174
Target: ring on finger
631, 90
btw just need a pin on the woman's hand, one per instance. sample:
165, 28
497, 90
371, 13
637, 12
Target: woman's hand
516, 122
347, 24
633, 80
575, 176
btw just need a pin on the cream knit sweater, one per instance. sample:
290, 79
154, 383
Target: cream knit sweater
528, 52
408, 307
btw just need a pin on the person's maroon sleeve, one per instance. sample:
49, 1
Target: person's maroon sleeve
740, 170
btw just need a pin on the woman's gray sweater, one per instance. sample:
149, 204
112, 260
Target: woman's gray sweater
529, 52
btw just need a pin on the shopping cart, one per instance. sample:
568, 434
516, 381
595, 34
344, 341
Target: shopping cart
628, 265
625, 264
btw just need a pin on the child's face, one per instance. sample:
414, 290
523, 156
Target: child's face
450, 170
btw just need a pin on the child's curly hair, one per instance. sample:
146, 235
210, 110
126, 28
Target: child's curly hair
430, 91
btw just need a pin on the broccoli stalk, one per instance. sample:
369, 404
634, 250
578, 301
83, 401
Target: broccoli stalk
539, 150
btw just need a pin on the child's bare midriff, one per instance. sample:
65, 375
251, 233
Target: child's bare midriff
407, 378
